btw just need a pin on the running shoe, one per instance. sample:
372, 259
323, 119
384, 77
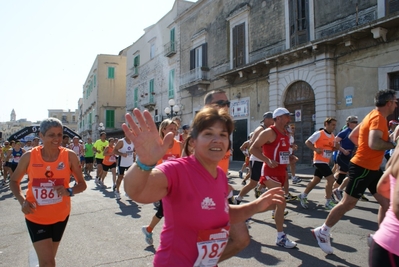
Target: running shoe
323, 240
148, 236
363, 198
337, 194
257, 192
117, 195
285, 213
156, 204
296, 179
290, 197
235, 200
329, 204
240, 174
96, 180
243, 183
285, 242
114, 188
304, 201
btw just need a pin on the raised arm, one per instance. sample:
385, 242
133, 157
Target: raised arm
143, 183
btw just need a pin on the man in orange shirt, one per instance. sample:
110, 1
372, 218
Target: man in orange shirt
372, 139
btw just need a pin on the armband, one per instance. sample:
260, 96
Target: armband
144, 167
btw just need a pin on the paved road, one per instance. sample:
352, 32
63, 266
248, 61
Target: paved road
105, 232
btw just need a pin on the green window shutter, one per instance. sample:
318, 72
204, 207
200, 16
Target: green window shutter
90, 118
95, 80
172, 39
151, 91
171, 90
136, 97
110, 119
111, 72
136, 61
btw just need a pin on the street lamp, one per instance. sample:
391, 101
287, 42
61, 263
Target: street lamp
101, 128
173, 109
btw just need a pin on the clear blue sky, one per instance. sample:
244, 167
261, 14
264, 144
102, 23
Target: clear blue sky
48, 47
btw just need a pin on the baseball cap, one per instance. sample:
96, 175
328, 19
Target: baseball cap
76, 137
185, 127
280, 112
351, 119
267, 115
394, 122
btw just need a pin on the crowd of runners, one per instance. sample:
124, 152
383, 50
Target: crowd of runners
356, 151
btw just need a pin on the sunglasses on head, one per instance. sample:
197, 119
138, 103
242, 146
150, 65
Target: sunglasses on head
222, 103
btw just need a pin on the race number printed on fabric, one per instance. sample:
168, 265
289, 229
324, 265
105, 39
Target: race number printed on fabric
284, 157
43, 191
210, 245
327, 154
112, 158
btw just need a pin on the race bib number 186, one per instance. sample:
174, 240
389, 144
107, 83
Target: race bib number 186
43, 191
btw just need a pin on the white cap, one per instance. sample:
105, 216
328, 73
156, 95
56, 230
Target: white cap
280, 112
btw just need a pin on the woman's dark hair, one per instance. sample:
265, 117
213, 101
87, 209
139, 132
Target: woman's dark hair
204, 119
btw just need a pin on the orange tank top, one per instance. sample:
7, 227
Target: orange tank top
224, 163
43, 176
111, 159
172, 153
326, 144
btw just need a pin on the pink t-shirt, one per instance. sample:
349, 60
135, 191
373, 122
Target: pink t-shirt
195, 201
387, 235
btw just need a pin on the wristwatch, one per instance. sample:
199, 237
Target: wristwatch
70, 192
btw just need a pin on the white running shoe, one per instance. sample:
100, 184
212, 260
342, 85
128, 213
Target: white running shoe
303, 200
148, 236
337, 194
117, 195
323, 240
285, 242
296, 180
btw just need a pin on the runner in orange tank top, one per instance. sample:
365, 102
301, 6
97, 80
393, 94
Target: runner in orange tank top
48, 199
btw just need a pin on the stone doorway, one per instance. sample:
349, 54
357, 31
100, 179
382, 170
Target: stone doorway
300, 99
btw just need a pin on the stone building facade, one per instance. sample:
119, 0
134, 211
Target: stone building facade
317, 58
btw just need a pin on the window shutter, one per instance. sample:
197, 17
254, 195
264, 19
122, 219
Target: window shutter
205, 55
110, 119
172, 39
239, 45
192, 59
151, 90
171, 91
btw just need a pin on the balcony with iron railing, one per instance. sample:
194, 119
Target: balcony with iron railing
135, 71
197, 78
169, 49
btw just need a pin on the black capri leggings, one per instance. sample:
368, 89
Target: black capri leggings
379, 256
159, 213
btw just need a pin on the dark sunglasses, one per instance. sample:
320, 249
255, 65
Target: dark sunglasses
353, 121
222, 103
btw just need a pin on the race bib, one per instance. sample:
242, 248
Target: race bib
129, 153
210, 245
327, 154
43, 191
16, 159
284, 157
112, 158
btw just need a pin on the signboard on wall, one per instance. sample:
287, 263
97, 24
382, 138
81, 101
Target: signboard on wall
298, 115
239, 108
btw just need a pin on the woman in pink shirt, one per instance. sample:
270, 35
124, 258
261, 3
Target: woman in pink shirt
193, 189
384, 249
